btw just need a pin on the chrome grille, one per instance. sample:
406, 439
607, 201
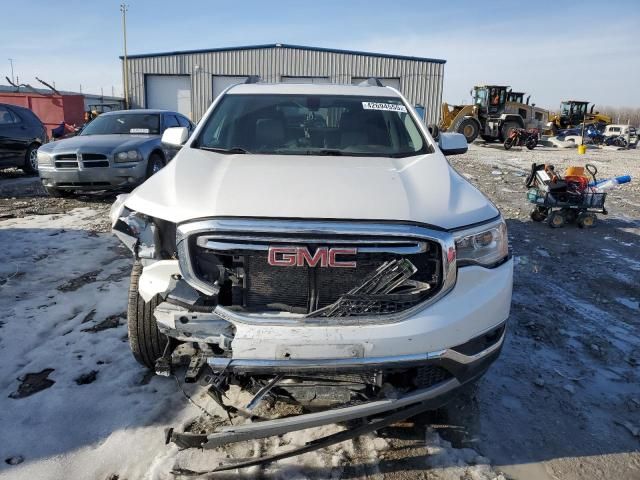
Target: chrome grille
211, 252
67, 160
85, 160
94, 160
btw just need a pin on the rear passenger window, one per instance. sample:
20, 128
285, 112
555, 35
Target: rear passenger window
7, 117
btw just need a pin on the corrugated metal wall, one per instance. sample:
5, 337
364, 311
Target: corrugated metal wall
420, 81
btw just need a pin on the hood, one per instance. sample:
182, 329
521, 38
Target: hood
201, 184
98, 143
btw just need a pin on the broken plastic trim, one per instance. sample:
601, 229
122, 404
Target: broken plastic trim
138, 233
377, 289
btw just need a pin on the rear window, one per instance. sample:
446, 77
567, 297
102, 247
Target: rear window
313, 125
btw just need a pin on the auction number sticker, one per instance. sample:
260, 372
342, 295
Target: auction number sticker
390, 107
139, 130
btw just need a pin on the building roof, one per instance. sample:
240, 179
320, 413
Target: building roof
312, 89
284, 45
46, 91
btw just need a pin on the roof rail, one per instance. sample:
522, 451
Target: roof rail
253, 79
371, 82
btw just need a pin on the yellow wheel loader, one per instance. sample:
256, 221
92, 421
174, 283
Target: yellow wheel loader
573, 113
495, 111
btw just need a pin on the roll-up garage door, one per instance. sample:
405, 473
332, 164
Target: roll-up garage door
387, 82
305, 80
169, 92
221, 82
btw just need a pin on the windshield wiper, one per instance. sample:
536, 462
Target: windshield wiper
233, 150
326, 151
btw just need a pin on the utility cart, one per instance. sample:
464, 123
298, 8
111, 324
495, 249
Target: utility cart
566, 207
564, 200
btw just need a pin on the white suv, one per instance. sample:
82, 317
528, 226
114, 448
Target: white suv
312, 243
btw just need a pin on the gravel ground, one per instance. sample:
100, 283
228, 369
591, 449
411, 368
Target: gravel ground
562, 402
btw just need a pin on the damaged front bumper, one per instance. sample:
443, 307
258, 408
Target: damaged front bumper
467, 368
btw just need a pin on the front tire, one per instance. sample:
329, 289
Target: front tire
538, 214
508, 143
469, 128
145, 340
31, 160
154, 165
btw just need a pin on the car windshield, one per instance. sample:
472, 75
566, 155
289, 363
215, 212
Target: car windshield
125, 123
312, 125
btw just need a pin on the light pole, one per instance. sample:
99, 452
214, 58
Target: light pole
12, 79
123, 9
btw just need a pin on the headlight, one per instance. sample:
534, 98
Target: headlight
136, 231
43, 158
128, 156
486, 245
117, 208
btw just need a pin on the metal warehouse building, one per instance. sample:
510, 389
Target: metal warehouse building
188, 81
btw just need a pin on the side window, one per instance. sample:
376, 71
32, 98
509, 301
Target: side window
184, 122
415, 139
7, 117
170, 121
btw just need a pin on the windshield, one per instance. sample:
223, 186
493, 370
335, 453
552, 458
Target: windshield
480, 96
312, 125
125, 123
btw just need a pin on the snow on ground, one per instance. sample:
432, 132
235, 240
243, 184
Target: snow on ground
562, 402
98, 414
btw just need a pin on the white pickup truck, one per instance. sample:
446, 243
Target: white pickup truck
311, 243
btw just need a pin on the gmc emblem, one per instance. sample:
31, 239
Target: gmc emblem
300, 256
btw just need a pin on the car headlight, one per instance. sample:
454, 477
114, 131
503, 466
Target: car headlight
128, 156
117, 208
486, 245
43, 158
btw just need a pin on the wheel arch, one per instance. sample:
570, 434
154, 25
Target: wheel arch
157, 151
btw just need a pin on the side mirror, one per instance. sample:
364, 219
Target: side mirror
453, 143
175, 137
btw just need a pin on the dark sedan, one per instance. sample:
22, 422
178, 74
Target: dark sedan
117, 150
21, 133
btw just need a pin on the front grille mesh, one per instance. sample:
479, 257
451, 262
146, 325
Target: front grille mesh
269, 287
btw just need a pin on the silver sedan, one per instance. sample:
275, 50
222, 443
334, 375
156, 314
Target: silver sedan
117, 150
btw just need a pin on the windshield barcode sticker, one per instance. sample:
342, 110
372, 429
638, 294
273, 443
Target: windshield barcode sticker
390, 107
139, 130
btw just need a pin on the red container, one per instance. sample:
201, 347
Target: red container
580, 181
50, 109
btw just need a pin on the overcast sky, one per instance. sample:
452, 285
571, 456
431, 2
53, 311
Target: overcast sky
586, 50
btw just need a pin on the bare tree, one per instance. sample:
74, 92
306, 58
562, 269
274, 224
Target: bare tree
622, 115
